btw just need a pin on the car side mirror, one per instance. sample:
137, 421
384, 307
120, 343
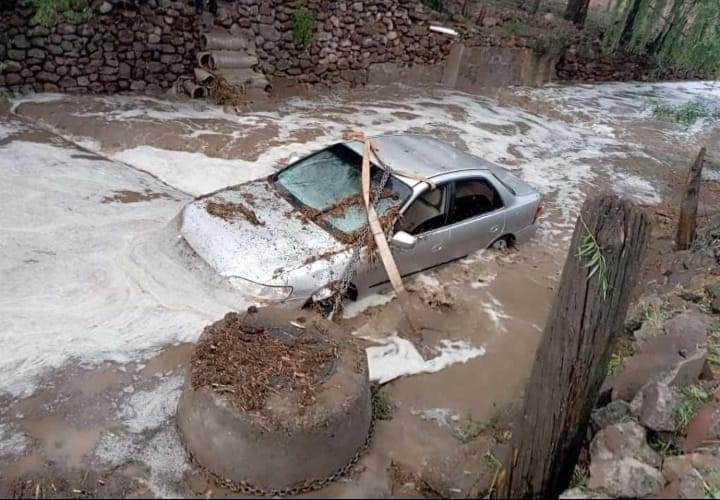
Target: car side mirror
401, 239
293, 158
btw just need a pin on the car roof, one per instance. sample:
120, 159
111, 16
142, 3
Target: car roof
421, 155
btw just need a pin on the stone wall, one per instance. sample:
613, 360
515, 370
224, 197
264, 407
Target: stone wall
128, 48
146, 45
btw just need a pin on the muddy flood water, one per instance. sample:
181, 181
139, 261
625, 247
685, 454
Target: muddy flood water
101, 299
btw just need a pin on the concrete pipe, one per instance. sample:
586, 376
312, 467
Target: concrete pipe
222, 41
203, 77
285, 439
247, 78
228, 59
203, 59
195, 91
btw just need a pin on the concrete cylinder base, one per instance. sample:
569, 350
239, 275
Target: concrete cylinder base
282, 445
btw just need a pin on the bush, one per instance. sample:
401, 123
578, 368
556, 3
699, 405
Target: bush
47, 11
686, 114
303, 25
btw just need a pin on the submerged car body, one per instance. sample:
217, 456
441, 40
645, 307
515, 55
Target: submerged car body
289, 238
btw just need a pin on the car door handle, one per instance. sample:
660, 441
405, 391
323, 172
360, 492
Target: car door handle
436, 248
494, 229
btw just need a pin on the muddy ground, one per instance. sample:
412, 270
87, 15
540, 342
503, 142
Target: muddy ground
102, 302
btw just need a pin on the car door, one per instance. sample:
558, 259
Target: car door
476, 218
425, 218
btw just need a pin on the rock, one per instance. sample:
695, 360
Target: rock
626, 477
581, 493
675, 468
705, 426
490, 21
65, 29
20, 42
105, 7
656, 356
623, 440
656, 406
612, 413
687, 371
713, 290
715, 305
692, 485
36, 53
268, 32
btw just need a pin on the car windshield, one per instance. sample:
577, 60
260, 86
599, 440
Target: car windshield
329, 182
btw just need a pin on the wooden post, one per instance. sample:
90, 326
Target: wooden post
572, 360
688, 208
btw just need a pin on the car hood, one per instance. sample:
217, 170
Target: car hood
263, 248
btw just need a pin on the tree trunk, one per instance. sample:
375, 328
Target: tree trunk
688, 208
576, 11
533, 6
629, 25
572, 360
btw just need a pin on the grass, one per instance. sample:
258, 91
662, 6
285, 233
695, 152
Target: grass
579, 477
686, 114
517, 27
616, 361
665, 447
303, 25
552, 43
496, 465
468, 429
696, 396
713, 347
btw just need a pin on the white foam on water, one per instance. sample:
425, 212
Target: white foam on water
441, 416
398, 357
495, 311
637, 188
427, 281
150, 408
352, 309
12, 444
88, 280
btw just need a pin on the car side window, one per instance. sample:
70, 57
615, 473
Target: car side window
473, 197
426, 213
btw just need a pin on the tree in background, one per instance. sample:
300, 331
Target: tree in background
576, 11
681, 35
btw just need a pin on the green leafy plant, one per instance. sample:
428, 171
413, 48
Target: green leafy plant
496, 465
48, 11
592, 254
552, 43
579, 477
303, 25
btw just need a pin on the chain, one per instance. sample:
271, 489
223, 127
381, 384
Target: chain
246, 488
349, 270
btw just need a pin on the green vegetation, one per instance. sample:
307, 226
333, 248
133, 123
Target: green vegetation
516, 27
438, 5
679, 35
580, 477
74, 11
687, 113
468, 429
665, 447
303, 25
656, 315
713, 348
696, 397
496, 465
382, 407
552, 43
591, 252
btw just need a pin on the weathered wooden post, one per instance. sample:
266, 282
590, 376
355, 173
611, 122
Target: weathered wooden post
601, 269
688, 208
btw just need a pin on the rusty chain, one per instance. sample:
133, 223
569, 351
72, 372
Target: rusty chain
310, 485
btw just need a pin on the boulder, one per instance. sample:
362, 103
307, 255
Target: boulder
581, 493
692, 485
614, 412
656, 406
626, 477
675, 468
623, 440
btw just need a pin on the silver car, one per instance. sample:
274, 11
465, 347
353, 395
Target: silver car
289, 238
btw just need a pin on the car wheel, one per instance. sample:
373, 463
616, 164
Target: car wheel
502, 243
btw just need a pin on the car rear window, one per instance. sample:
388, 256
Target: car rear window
514, 184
